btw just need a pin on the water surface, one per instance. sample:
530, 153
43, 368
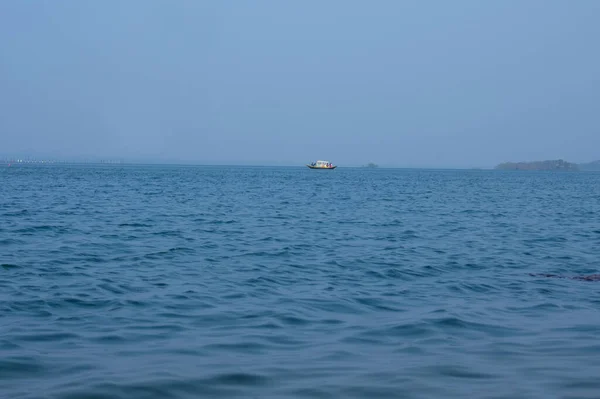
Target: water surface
185, 282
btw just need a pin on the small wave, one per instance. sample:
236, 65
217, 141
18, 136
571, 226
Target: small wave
377, 304
111, 288
457, 324
293, 320
89, 303
23, 212
458, 372
41, 228
544, 240
168, 253
221, 221
168, 233
469, 287
134, 224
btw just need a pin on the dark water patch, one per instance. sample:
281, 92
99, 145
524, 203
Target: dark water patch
238, 347
240, 379
135, 225
293, 320
586, 384
110, 339
7, 345
17, 213
46, 337
85, 303
168, 233
458, 372
136, 303
21, 368
26, 305
11, 241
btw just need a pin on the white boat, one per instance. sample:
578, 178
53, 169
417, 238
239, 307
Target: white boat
322, 165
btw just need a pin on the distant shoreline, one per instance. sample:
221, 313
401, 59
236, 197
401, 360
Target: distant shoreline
549, 165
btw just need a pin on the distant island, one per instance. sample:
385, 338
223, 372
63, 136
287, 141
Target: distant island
558, 164
370, 165
590, 166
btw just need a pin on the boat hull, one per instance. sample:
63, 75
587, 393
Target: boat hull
321, 168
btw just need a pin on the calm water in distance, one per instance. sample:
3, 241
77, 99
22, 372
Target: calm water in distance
247, 282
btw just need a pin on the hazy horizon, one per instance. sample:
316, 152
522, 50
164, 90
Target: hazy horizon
402, 84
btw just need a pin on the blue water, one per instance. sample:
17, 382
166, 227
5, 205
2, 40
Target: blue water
187, 282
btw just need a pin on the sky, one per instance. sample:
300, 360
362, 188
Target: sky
463, 83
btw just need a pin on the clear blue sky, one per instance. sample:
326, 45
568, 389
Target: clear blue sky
404, 83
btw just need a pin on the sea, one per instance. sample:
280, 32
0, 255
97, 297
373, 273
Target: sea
159, 281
